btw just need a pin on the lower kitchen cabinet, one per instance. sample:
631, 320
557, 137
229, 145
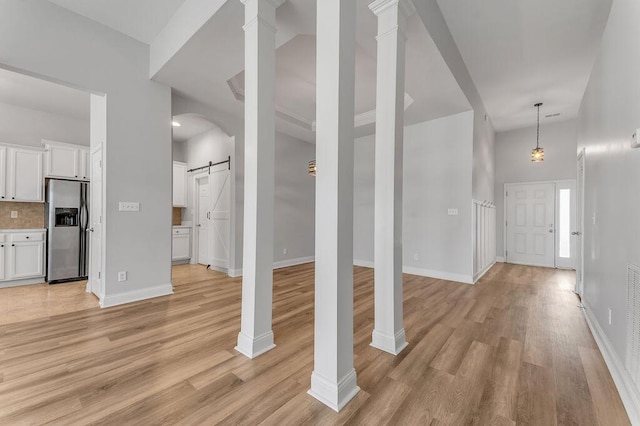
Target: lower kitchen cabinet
181, 245
21, 257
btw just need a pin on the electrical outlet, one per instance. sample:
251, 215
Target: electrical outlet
594, 218
453, 212
14, 214
122, 276
125, 206
284, 251
609, 316
635, 139
415, 256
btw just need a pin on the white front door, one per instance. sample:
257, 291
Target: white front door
531, 224
95, 224
202, 220
578, 232
220, 218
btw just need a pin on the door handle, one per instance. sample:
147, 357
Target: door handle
89, 229
576, 233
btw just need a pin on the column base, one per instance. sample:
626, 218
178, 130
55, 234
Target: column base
394, 344
334, 395
252, 347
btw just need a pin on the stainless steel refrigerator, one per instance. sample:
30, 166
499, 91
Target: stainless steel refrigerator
67, 219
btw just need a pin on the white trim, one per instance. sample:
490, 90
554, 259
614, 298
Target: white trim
335, 395
363, 263
391, 343
136, 295
412, 270
252, 347
234, 273
441, 275
27, 281
628, 391
292, 262
500, 259
480, 274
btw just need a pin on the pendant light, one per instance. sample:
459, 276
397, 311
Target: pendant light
537, 154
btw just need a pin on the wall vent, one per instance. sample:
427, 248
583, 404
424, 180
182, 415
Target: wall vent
633, 323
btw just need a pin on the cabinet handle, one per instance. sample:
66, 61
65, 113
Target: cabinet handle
13, 198
27, 237
76, 175
13, 245
1, 245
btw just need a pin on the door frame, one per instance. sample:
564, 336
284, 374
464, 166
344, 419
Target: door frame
93, 287
556, 183
195, 244
581, 160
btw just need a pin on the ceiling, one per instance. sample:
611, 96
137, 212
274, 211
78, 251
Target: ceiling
520, 52
217, 77
33, 93
140, 19
191, 125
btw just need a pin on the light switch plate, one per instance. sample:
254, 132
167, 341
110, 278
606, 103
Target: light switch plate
635, 139
128, 206
453, 212
14, 214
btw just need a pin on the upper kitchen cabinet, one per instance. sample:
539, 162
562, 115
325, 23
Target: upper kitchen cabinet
179, 184
21, 174
68, 161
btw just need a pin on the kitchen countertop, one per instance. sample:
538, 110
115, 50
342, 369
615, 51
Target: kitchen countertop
11, 231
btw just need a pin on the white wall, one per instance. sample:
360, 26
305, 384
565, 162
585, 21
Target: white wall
609, 115
513, 161
294, 208
25, 126
437, 176
179, 151
48, 41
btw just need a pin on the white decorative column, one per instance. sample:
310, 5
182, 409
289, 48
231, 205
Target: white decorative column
333, 381
388, 334
256, 337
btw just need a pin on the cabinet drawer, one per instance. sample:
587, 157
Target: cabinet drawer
181, 231
27, 236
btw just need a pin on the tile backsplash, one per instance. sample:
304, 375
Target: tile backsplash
30, 215
177, 216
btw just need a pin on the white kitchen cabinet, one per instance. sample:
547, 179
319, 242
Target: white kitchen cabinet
21, 257
179, 184
67, 161
181, 244
3, 251
85, 164
3, 172
24, 175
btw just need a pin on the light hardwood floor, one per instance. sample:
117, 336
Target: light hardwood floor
513, 349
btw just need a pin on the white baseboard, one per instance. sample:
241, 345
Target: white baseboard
293, 262
500, 259
28, 281
363, 263
235, 273
110, 300
481, 273
466, 279
629, 392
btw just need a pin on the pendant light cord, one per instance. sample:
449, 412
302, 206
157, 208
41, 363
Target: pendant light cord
538, 134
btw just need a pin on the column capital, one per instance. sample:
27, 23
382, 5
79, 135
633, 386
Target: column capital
405, 7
